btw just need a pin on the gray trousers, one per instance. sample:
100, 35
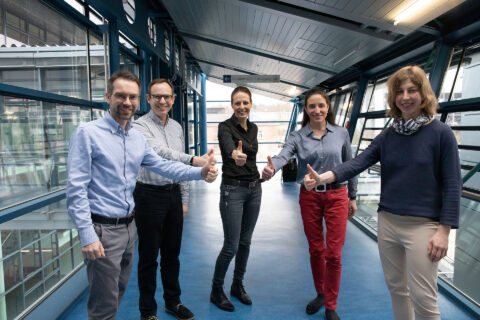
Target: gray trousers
108, 276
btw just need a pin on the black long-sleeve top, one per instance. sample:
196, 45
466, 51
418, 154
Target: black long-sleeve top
230, 132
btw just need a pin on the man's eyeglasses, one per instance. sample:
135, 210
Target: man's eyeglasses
158, 97
123, 97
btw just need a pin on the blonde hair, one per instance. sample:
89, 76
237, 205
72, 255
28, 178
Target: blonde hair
418, 77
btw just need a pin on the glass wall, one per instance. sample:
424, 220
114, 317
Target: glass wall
49, 57
41, 248
34, 139
38, 250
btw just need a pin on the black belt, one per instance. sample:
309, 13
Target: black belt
330, 186
164, 187
241, 183
109, 220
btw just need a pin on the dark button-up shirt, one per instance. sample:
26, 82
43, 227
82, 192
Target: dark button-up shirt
229, 133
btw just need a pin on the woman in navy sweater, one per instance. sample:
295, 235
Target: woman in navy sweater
420, 193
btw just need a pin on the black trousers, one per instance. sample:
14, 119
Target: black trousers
159, 220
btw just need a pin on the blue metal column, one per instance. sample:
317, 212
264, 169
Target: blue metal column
196, 121
144, 80
202, 114
155, 67
113, 46
357, 104
293, 118
441, 62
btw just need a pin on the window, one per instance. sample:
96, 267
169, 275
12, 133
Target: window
129, 44
129, 7
34, 260
152, 31
49, 59
77, 5
463, 75
177, 60
166, 41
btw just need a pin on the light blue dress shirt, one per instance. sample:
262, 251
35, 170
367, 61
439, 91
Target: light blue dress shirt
103, 164
323, 154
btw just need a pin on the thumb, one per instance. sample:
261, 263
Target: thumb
211, 160
240, 146
313, 172
210, 152
270, 162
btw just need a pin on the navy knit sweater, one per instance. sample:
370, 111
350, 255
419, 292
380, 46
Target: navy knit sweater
420, 173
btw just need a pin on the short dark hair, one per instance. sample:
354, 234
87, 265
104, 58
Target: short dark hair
330, 115
241, 89
160, 80
122, 74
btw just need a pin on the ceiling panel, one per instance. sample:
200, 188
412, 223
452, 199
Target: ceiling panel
275, 37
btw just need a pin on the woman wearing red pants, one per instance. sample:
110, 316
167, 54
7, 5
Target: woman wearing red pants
323, 145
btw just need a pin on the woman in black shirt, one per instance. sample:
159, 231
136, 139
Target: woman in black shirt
240, 197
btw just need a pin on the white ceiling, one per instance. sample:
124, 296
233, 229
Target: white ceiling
304, 41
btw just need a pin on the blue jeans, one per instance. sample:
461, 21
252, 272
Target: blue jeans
239, 208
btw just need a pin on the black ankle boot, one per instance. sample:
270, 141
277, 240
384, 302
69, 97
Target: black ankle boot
315, 305
331, 315
218, 298
239, 292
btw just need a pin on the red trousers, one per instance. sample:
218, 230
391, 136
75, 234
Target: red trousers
325, 252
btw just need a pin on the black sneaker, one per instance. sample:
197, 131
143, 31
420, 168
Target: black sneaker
180, 312
148, 318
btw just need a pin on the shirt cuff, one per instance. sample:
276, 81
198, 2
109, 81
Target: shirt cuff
87, 236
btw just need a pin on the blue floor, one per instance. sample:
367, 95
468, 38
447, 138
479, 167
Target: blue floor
278, 277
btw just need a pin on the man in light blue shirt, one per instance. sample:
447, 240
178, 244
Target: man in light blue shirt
104, 159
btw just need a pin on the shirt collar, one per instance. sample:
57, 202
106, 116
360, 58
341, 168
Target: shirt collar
236, 123
114, 125
309, 130
156, 119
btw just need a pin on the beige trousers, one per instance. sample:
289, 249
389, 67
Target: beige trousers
410, 275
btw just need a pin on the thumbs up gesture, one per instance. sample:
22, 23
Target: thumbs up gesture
312, 179
238, 155
269, 169
209, 171
202, 160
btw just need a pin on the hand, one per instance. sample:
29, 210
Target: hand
238, 155
312, 179
352, 207
438, 244
93, 250
185, 209
201, 161
209, 171
269, 170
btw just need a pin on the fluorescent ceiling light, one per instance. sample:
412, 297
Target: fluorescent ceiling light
412, 10
292, 91
345, 57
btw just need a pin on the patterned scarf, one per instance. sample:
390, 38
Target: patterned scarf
410, 126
